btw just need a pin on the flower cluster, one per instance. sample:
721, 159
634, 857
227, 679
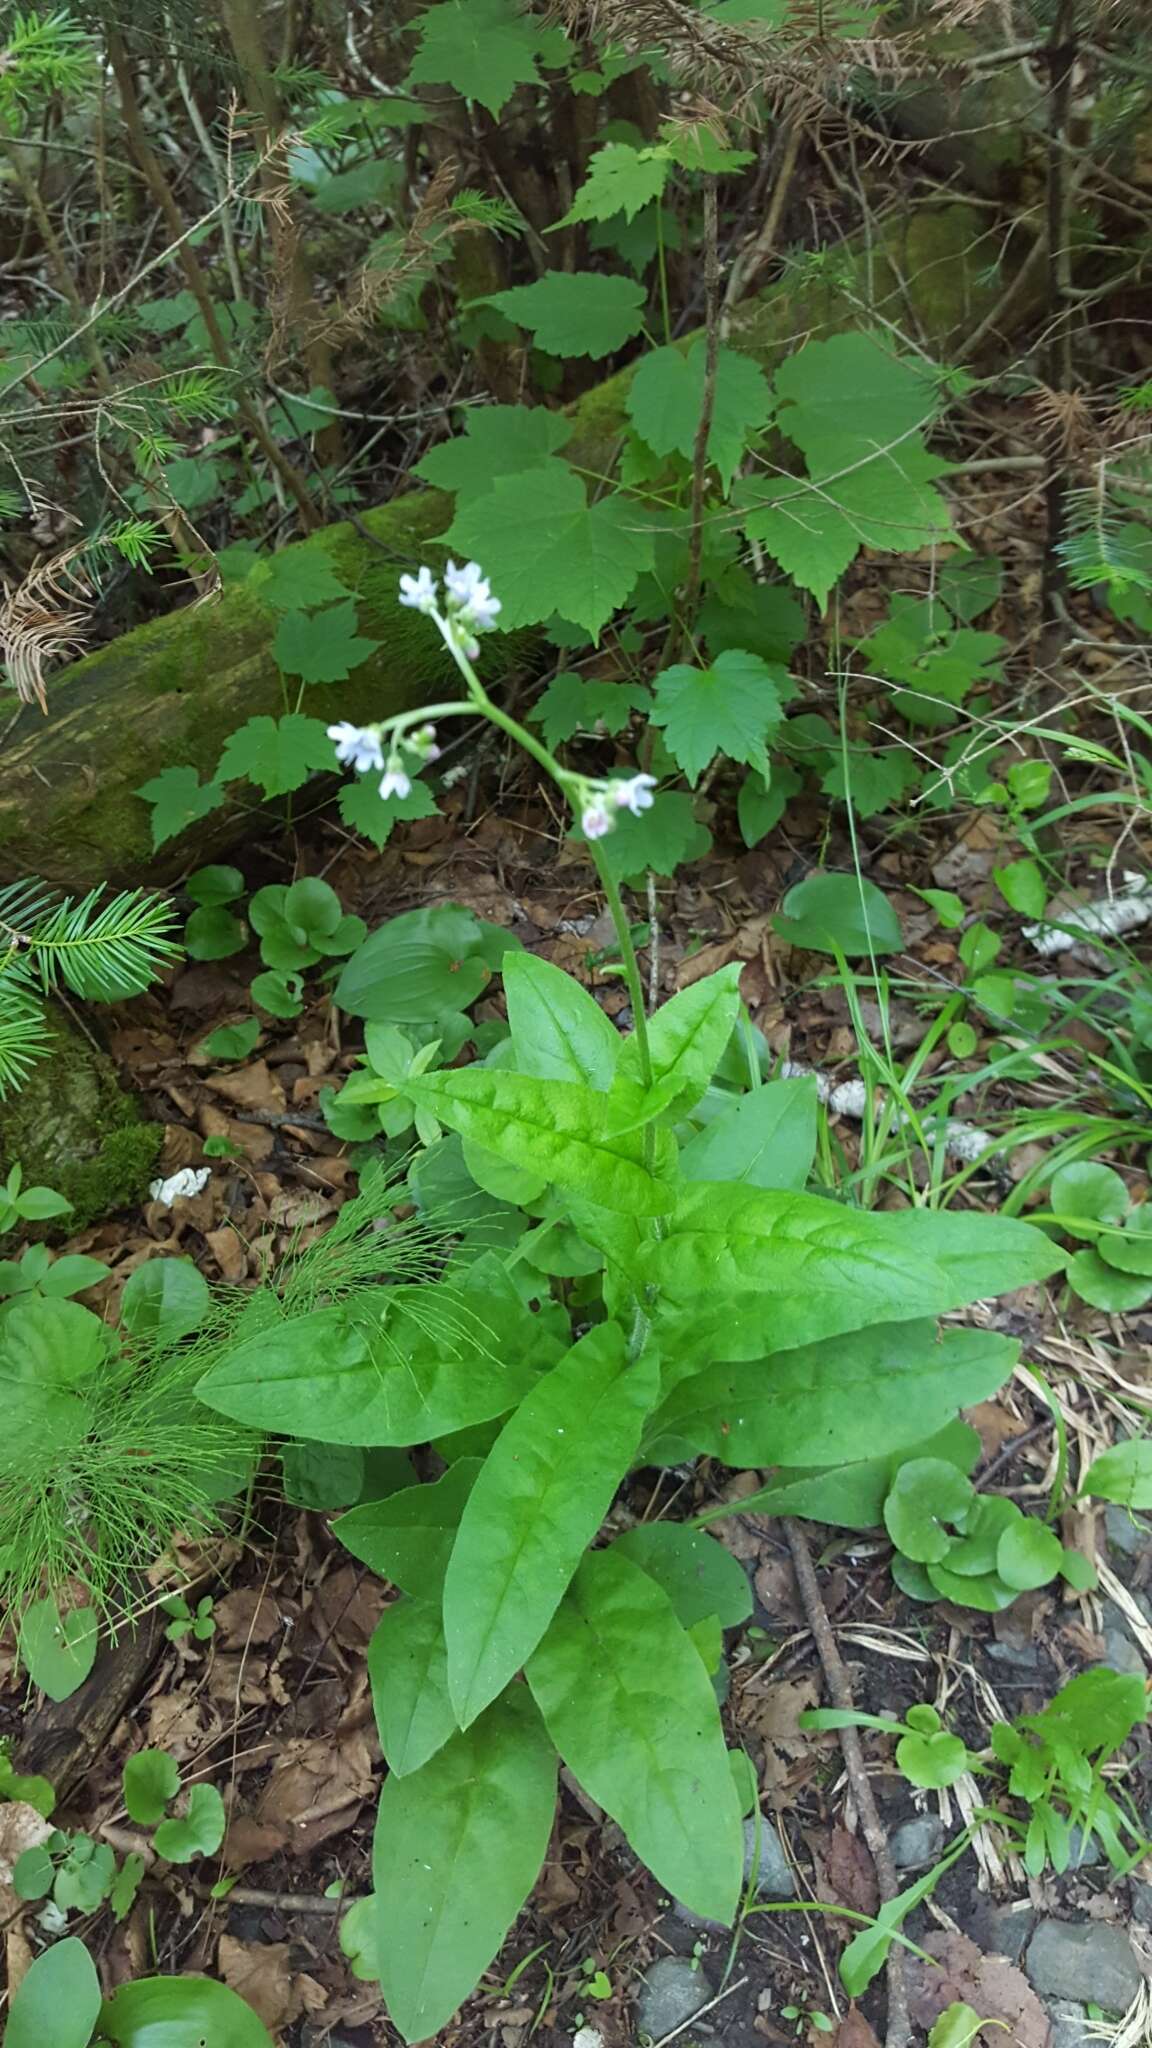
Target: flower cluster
600, 802
469, 606
362, 747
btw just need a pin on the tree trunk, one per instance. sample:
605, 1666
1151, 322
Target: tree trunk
171, 691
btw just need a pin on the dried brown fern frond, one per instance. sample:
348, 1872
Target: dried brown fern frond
44, 619
378, 283
1066, 421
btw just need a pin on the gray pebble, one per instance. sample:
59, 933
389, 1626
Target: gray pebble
1125, 1531
917, 1843
1140, 1893
1066, 1956
671, 1992
774, 1878
1014, 1656
1003, 1930
1070, 2025
1121, 1654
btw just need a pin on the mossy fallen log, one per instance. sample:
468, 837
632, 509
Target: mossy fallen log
172, 690
73, 1127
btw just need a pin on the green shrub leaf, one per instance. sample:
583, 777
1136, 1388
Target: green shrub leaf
699, 1576
845, 913
630, 1707
539, 1500
767, 1138
408, 1671
559, 1031
566, 1133
575, 313
459, 1844
407, 1539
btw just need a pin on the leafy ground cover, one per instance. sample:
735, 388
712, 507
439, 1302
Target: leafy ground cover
598, 1491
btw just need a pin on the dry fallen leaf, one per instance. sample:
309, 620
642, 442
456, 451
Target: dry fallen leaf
854, 2031
991, 1985
259, 1972
851, 1872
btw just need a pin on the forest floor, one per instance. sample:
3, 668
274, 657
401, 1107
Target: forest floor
274, 1707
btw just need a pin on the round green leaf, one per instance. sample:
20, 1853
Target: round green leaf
151, 1779
988, 1594
209, 886
1099, 1283
48, 1349
311, 910
1130, 1249
179, 2012
1122, 1474
932, 1761
962, 1040
32, 1873
974, 1553
845, 913
58, 1649
926, 1493
231, 1041
1028, 1554
1087, 1193
212, 933
166, 1298
201, 1831
58, 2000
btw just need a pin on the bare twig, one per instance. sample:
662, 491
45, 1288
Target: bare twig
899, 2029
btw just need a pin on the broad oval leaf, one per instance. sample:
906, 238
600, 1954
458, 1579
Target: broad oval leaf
151, 1779
58, 1649
165, 1299
58, 2000
700, 1577
538, 1502
408, 1538
741, 1269
198, 1833
766, 1138
458, 1847
631, 1708
408, 1670
687, 1035
1122, 1474
180, 2012
862, 1396
397, 1365
49, 1349
559, 1031
565, 1132
839, 913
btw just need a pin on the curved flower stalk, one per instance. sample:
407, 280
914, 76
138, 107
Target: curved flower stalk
401, 745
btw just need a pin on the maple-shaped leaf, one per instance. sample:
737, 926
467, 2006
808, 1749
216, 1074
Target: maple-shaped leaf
298, 581
321, 647
498, 440
815, 529
667, 392
575, 312
939, 664
728, 708
620, 179
278, 754
871, 779
844, 399
661, 839
574, 703
484, 49
548, 552
363, 807
178, 798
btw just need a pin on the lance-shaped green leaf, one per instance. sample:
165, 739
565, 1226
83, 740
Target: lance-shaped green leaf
744, 1270
458, 1848
687, 1036
397, 1365
544, 1491
558, 1129
631, 1708
877, 1390
408, 1671
700, 1577
408, 1537
559, 1031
